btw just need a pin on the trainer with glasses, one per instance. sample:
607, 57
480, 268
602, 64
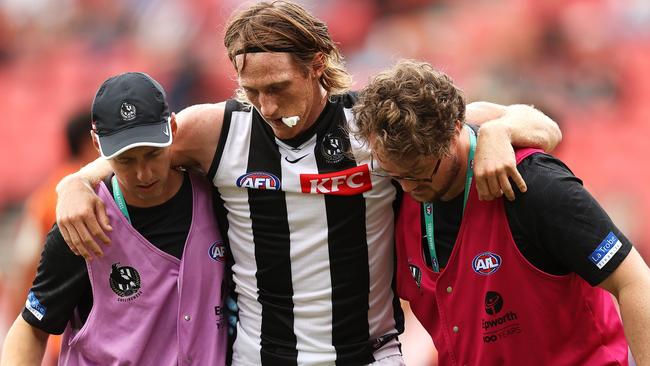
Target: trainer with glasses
155, 297
523, 282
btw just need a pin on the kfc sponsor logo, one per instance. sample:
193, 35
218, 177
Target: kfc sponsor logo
343, 183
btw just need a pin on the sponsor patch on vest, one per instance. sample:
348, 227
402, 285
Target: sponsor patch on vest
342, 183
606, 250
486, 263
217, 251
259, 180
34, 306
125, 282
493, 302
416, 273
501, 326
220, 316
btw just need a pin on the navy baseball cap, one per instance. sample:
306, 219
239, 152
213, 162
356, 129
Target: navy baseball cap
130, 110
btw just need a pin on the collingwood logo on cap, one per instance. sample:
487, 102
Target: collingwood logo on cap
130, 110
127, 111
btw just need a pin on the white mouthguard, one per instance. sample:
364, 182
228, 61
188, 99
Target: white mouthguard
290, 121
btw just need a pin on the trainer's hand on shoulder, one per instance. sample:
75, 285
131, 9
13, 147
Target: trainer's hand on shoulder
81, 217
495, 164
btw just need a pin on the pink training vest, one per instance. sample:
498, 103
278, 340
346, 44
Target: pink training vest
490, 306
149, 308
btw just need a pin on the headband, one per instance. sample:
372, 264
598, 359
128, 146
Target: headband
257, 49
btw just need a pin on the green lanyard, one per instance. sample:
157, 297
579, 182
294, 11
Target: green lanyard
119, 198
427, 208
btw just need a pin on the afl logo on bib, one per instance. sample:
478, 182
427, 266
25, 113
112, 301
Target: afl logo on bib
486, 263
217, 251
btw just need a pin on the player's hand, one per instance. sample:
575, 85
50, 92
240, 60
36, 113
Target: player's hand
81, 217
495, 164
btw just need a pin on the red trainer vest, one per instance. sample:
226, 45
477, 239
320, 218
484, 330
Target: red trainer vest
490, 306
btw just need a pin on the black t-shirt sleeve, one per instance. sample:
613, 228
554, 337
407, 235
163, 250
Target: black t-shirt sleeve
559, 226
60, 286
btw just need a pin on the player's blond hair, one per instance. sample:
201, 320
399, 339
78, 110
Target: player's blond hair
282, 26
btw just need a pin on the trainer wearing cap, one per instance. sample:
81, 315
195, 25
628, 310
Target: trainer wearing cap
155, 297
130, 110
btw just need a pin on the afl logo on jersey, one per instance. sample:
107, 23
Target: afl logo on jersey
125, 280
486, 263
217, 251
127, 111
259, 180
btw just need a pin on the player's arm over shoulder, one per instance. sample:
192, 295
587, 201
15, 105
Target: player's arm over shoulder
197, 136
524, 124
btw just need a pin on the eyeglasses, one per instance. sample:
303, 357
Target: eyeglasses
377, 171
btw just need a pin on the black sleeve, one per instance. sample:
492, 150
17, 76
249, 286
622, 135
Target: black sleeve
559, 226
60, 286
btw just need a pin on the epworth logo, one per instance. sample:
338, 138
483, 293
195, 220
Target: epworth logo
343, 183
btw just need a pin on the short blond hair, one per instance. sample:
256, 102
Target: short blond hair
409, 110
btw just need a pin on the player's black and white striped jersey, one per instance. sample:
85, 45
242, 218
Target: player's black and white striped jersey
311, 234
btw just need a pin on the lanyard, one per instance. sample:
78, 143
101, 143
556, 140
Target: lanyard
119, 198
427, 208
